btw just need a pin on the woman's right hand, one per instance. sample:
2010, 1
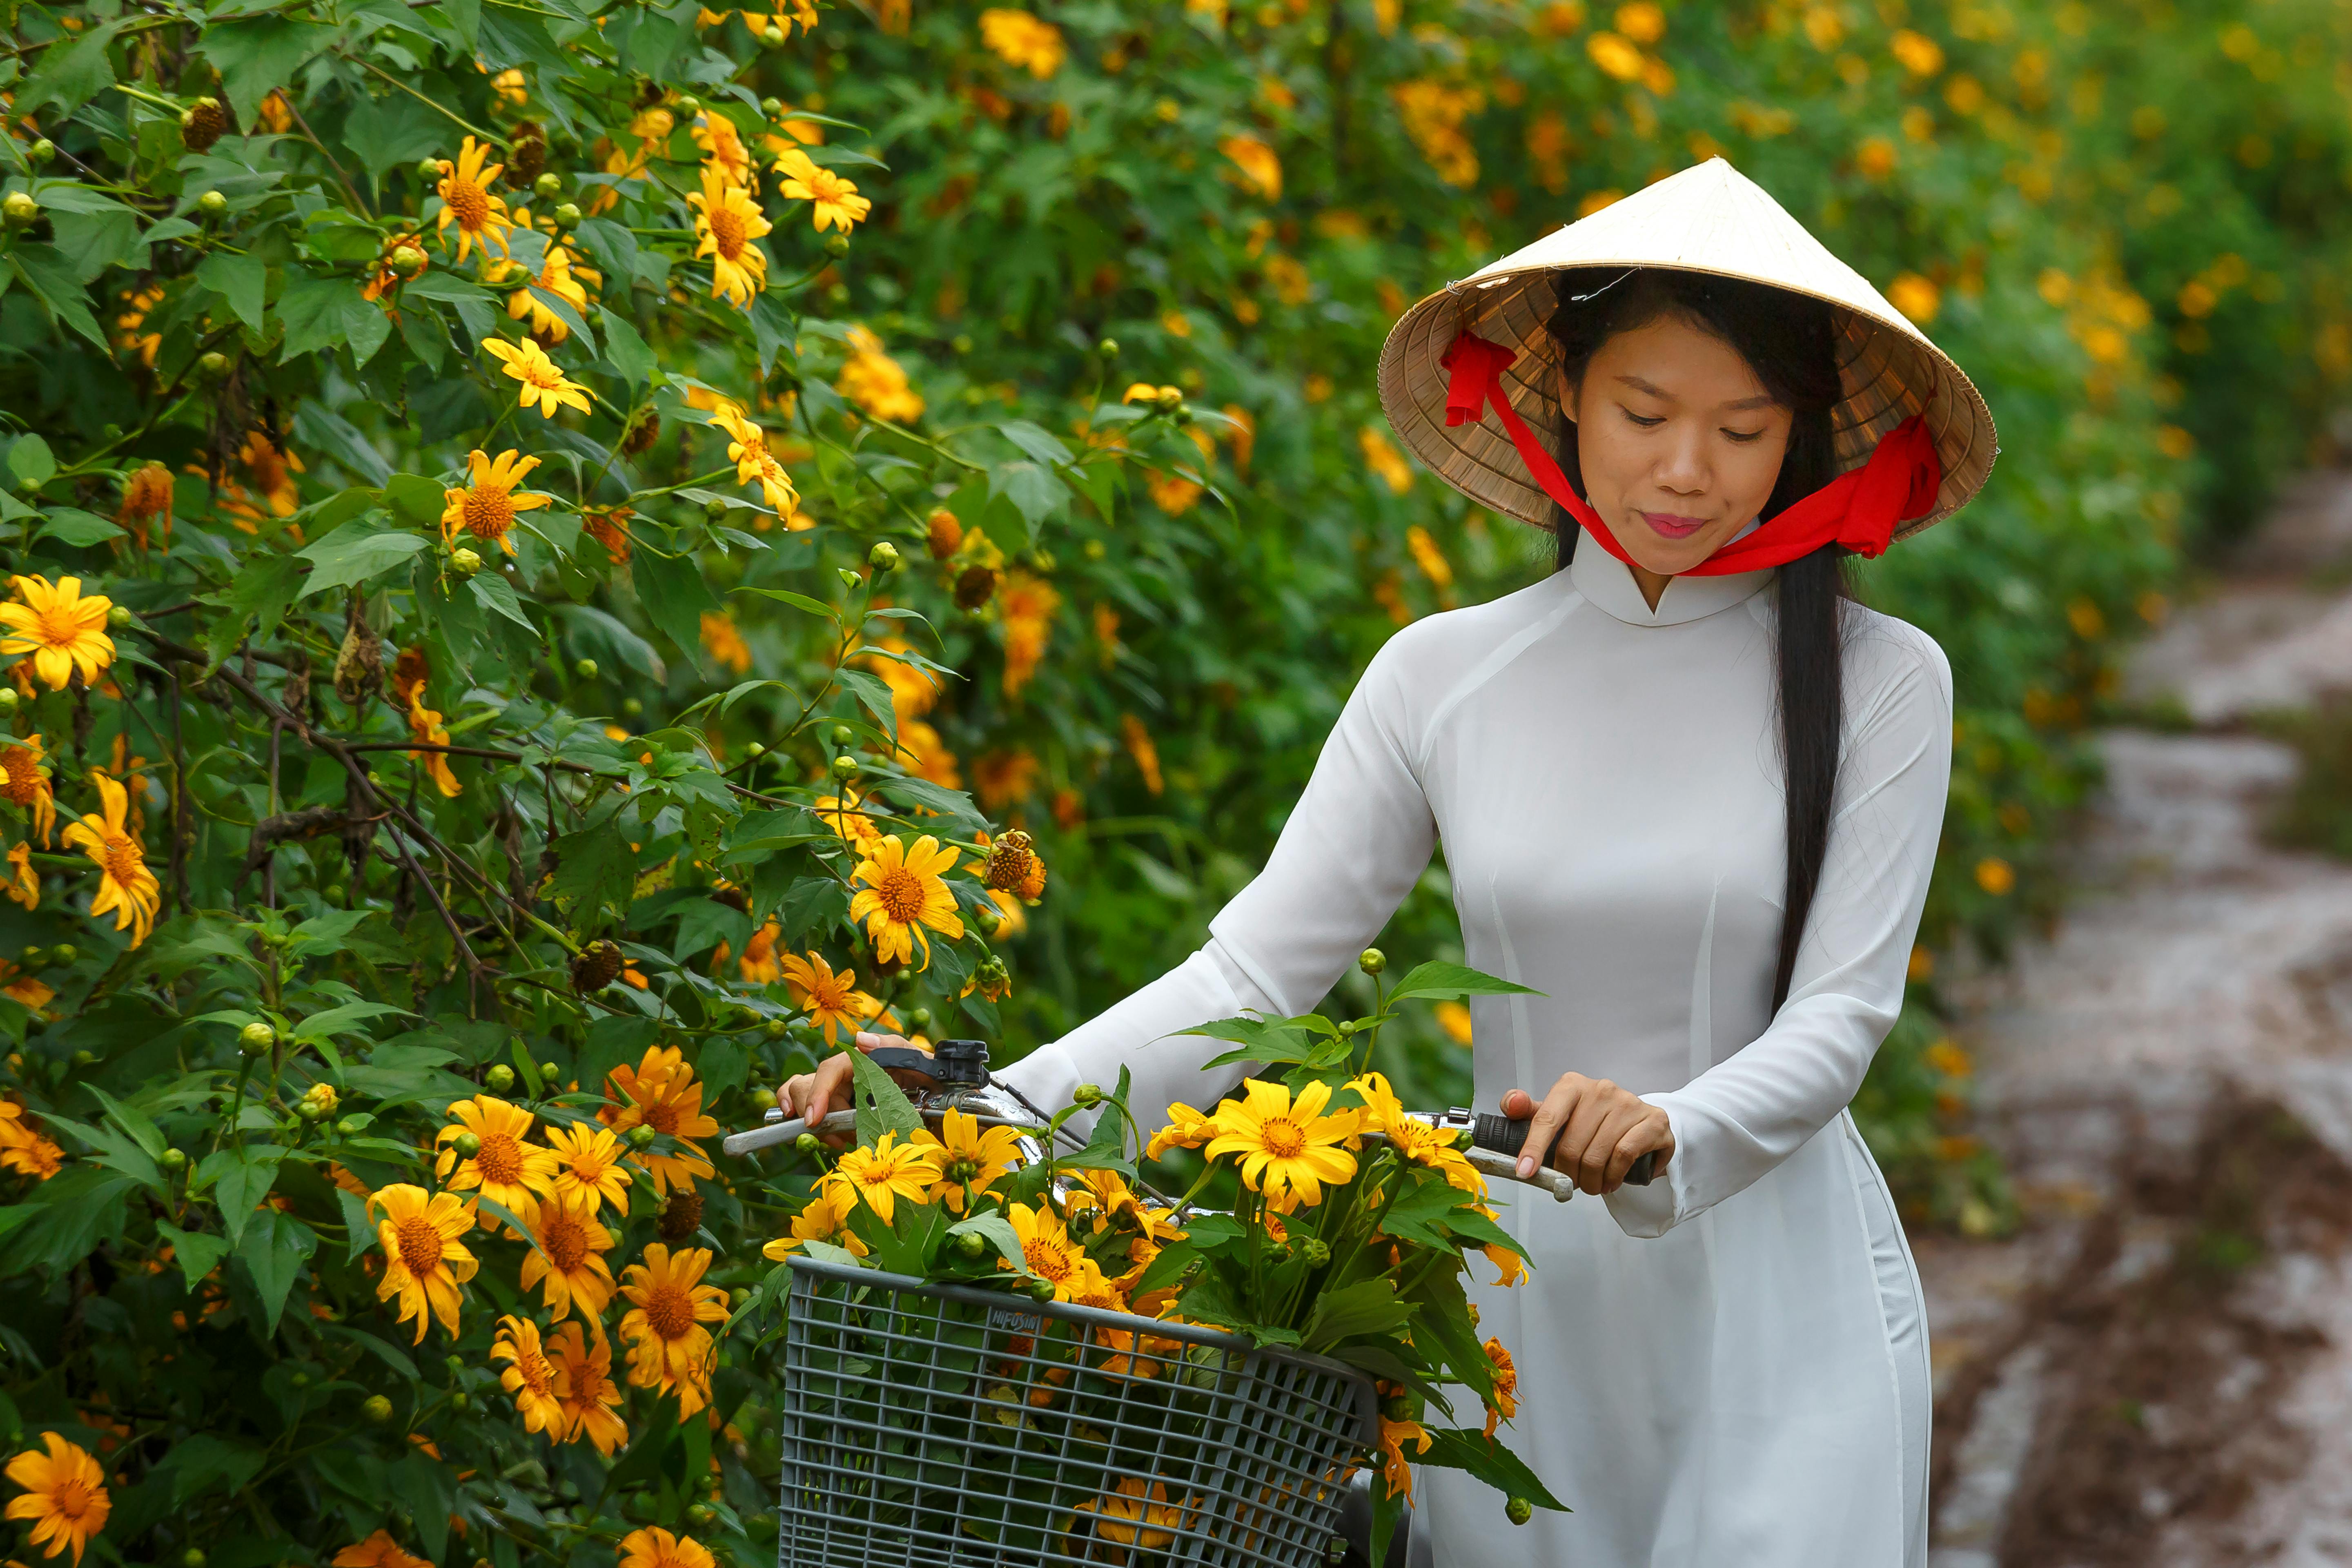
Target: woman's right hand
811, 1096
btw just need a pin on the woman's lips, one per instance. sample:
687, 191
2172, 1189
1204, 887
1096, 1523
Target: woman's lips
1671, 525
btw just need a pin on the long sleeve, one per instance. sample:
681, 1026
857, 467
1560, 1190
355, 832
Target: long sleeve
1359, 836
1740, 1118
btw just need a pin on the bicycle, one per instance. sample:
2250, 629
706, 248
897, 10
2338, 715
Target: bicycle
954, 1427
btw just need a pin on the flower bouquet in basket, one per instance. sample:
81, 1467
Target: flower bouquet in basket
1090, 1372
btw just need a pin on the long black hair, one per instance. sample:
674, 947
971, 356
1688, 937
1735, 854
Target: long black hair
1790, 343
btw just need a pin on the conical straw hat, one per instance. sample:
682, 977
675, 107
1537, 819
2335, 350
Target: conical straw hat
1707, 219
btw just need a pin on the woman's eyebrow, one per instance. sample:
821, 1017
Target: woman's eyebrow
1762, 400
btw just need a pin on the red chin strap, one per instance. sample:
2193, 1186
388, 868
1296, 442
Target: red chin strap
1858, 510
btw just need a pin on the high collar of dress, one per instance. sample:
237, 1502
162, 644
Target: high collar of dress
1608, 584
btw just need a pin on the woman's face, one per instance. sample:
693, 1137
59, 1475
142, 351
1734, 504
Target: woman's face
1680, 443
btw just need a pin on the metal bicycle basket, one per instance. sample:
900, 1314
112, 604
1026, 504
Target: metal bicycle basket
941, 1426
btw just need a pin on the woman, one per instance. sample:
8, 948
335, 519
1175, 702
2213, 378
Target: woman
1690, 794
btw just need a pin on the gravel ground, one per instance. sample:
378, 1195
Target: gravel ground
2157, 1368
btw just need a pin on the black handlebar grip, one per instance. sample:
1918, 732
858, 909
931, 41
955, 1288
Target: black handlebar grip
1505, 1136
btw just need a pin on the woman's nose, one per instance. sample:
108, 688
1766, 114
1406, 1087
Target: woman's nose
1682, 469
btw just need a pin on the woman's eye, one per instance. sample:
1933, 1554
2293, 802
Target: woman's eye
1645, 422
1744, 437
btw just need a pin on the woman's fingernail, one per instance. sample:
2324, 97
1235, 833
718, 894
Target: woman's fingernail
1526, 1167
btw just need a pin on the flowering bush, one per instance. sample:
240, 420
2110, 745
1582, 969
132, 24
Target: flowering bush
521, 532
1349, 1234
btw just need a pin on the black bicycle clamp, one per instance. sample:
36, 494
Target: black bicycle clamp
951, 1065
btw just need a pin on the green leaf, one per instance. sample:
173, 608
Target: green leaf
1105, 1150
95, 241
358, 1225
54, 282
274, 1250
1036, 440
205, 1464
70, 75
391, 1354
628, 351
1033, 492
343, 1019
1367, 1307
494, 592
1438, 979
69, 525
1208, 1300
675, 597
1492, 1463
797, 601
320, 312
415, 500
30, 461
238, 279
256, 56
998, 1231
263, 589
131, 1119
241, 1179
353, 554
196, 1252
882, 1107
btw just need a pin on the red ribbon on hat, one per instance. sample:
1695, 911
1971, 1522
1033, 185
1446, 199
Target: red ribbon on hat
1858, 510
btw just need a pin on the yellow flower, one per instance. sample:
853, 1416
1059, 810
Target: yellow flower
1397, 1471
587, 1164
57, 629
1455, 1019
424, 1262
825, 1217
669, 1350
747, 448
654, 1547
128, 888
27, 990
24, 782
536, 1383
969, 1159
561, 275
846, 815
510, 86
23, 1148
379, 1551
660, 1091
586, 1390
1140, 747
1261, 169
880, 1177
1052, 1255
1382, 457
1286, 1147
1506, 1386
1027, 606
1915, 296
23, 887
146, 500
507, 1170
1023, 42
467, 201
64, 1495
1127, 1515
1186, 1128
830, 997
724, 643
722, 146
544, 385
1510, 1267
568, 1257
760, 964
834, 202
487, 507
904, 893
874, 381
727, 221
1413, 1139
1994, 875
424, 727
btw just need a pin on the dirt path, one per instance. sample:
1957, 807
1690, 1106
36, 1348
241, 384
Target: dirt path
2157, 1369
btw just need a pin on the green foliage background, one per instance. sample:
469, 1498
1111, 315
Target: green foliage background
2127, 221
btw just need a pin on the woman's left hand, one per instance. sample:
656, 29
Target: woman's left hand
1601, 1131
